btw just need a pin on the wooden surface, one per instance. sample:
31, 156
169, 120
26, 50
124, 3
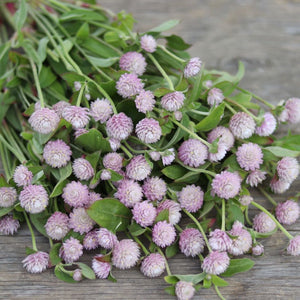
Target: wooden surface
265, 35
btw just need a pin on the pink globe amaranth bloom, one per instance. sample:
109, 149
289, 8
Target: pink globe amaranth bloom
119, 127
288, 169
208, 84
148, 43
193, 67
144, 213
44, 120
8, 225
292, 106
154, 188
148, 130
219, 155
77, 116
37, 106
155, 156
219, 240
76, 194
106, 238
90, 241
113, 161
242, 125
34, 198
8, 196
77, 86
191, 198
93, 197
256, 177
145, 101
57, 226
279, 186
249, 156
168, 156
36, 262
193, 153
114, 144
153, 265
83, 169
79, 132
77, 275
100, 266
294, 246
215, 97
125, 254
287, 212
105, 175
173, 208
268, 125
22, 176
57, 154
163, 234
178, 115
133, 62
80, 221
263, 223
258, 250
216, 263
129, 85
224, 135
184, 290
245, 200
101, 110
172, 101
71, 250
129, 192
226, 184
191, 242
60, 106
138, 168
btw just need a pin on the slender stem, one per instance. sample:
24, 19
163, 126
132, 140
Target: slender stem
268, 196
5, 162
56, 204
80, 95
37, 83
219, 293
166, 261
50, 242
204, 113
133, 150
19, 156
247, 216
31, 232
230, 108
223, 215
126, 151
171, 54
178, 228
196, 170
141, 244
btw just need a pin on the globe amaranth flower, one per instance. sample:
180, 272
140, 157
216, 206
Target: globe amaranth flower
57, 154
8, 196
154, 188
36, 262
138, 168
83, 169
148, 43
44, 120
101, 110
8, 225
288, 169
77, 275
215, 97
129, 192
90, 241
129, 85
257, 250
71, 250
224, 135
76, 194
57, 226
114, 144
267, 126
163, 234
133, 62
226, 184
113, 161
219, 155
191, 242
184, 290
119, 127
242, 125
22, 176
219, 240
249, 156
279, 186
144, 213
178, 115
193, 67
101, 266
153, 265
287, 212
155, 155
145, 101
216, 263
125, 254
208, 84
59, 107
173, 208
256, 177
193, 153
263, 223
80, 221
294, 246
77, 116
34, 198
245, 200
172, 101
191, 198
292, 106
148, 130
79, 132
105, 175
77, 86
106, 238
168, 156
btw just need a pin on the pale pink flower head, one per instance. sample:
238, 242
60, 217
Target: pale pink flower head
287, 212
279, 186
77, 275
268, 125
8, 225
193, 67
173, 208
219, 155
168, 156
258, 250
191, 242
129, 85
129, 192
294, 246
148, 43
242, 241
154, 188
113, 161
138, 168
44, 120
208, 84
76, 194
145, 101
215, 97
36, 262
90, 241
256, 177
148, 130
144, 213
106, 238
119, 127
59, 107
83, 169
245, 200
292, 106
115, 144
288, 169
79, 132
263, 223
172, 101
219, 240
249, 156
225, 136
101, 110
133, 62
178, 115
163, 234
71, 250
155, 156
77, 86
216, 263
8, 196
77, 116
80, 221
57, 226
22, 176
242, 125
184, 290
153, 265
105, 175
100, 266
191, 198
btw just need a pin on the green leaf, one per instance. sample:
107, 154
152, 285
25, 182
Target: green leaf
128, 108
237, 266
282, 152
172, 250
83, 15
58, 189
87, 272
165, 26
290, 141
111, 278
99, 48
3, 182
115, 176
62, 173
177, 43
39, 220
234, 213
162, 216
194, 278
5, 210
83, 32
46, 77
216, 280
62, 275
29, 251
102, 62
75, 235
207, 207
174, 171
20, 15
206, 283
172, 279
54, 254
245, 100
135, 229
31, 52
42, 48
71, 77
161, 92
170, 290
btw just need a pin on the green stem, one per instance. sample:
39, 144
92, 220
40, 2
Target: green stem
141, 244
126, 151
223, 215
50, 242
219, 293
166, 261
5, 161
202, 113
247, 216
37, 83
230, 108
268, 196
133, 150
31, 232
171, 54
56, 205
80, 95
178, 228
204, 171
19, 156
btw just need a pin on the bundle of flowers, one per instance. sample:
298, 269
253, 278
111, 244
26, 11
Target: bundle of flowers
121, 143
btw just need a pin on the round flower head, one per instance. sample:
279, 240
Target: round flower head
224, 135
215, 263
263, 223
184, 290
90, 241
80, 221
242, 125
36, 262
294, 246
191, 198
101, 110
154, 188
208, 84
279, 186
100, 266
77, 275
268, 125
249, 156
163, 234
106, 238
105, 175
193, 67
148, 130
193, 153
168, 156
172, 101
242, 241
191, 242
79, 132
93, 197
288, 169
245, 200
83, 169
59, 107
113, 161
34, 198
76, 194
219, 155
226, 184
178, 115
138, 168
129, 192
148, 43
57, 154
153, 265
125, 254
8, 196
22, 176
256, 177
44, 120
287, 212
145, 101
215, 97
133, 62
173, 208
71, 250
155, 156
219, 240
292, 106
114, 144
119, 127
144, 213
77, 116
8, 225
77, 86
57, 226
129, 85
258, 250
